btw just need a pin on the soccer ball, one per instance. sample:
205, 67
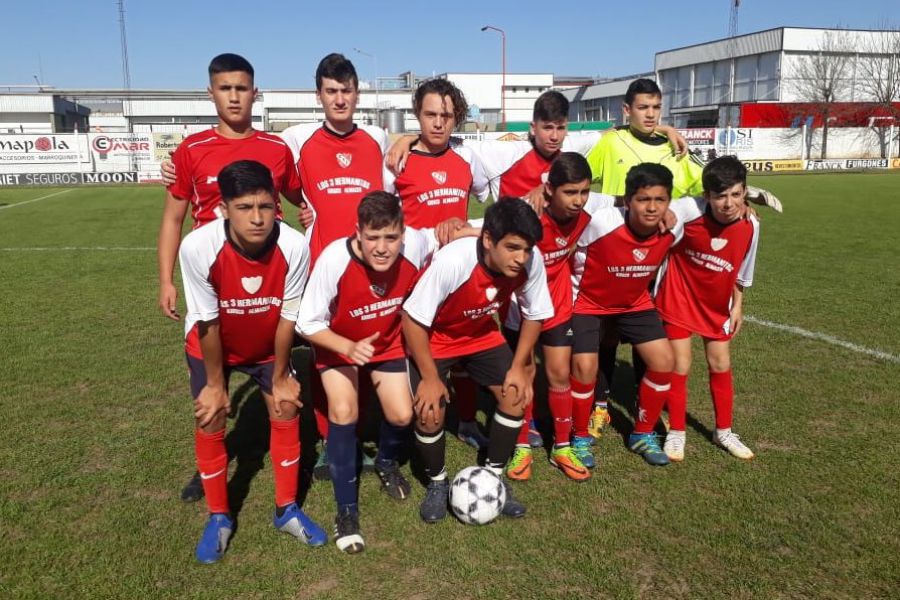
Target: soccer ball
477, 495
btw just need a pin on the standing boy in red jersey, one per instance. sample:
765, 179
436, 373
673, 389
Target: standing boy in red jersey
351, 314
448, 320
619, 253
435, 186
701, 292
243, 277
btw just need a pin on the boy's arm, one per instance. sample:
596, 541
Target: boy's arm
520, 374
679, 144
360, 352
431, 393
737, 309
395, 157
167, 244
285, 387
213, 398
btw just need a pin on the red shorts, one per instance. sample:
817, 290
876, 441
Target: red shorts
677, 332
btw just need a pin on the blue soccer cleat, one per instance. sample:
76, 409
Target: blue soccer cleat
295, 522
647, 445
214, 540
581, 446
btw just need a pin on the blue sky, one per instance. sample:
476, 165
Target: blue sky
76, 43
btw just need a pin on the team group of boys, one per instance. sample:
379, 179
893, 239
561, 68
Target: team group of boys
392, 282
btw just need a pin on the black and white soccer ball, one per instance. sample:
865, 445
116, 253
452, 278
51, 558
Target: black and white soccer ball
477, 496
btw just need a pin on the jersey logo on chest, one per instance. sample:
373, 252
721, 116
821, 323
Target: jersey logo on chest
639, 254
377, 290
439, 176
344, 159
561, 242
251, 284
491, 293
717, 243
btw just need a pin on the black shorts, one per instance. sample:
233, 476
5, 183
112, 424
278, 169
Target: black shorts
487, 367
261, 373
396, 365
633, 328
560, 336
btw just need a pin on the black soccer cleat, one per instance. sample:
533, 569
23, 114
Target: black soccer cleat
434, 506
393, 483
193, 489
347, 536
512, 508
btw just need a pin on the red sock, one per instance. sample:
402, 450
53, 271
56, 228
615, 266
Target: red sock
653, 392
523, 430
466, 394
212, 462
560, 401
284, 450
721, 387
678, 403
320, 404
582, 403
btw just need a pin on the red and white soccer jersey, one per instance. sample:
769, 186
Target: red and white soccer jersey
696, 283
355, 301
436, 187
336, 171
247, 295
613, 267
457, 298
557, 246
200, 157
515, 168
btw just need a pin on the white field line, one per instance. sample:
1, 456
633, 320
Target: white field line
824, 337
37, 199
72, 248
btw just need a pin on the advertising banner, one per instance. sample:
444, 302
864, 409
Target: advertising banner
895, 163
40, 149
773, 166
67, 179
117, 146
164, 143
841, 164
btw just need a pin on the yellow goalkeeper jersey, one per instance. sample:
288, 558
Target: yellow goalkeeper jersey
619, 150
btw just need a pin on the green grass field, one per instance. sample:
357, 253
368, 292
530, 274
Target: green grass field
98, 439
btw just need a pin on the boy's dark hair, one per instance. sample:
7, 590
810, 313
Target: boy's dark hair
338, 67
244, 177
647, 175
550, 106
722, 173
228, 63
512, 216
568, 167
379, 210
445, 89
641, 86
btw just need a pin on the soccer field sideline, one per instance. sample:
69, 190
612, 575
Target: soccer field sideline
810, 517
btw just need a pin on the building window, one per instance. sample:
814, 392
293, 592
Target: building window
745, 78
703, 83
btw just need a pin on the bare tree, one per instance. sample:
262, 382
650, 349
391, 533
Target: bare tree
822, 76
878, 79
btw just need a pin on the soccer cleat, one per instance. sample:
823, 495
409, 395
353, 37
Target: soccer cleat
193, 489
647, 445
512, 508
347, 536
599, 420
214, 541
519, 467
732, 442
567, 461
392, 481
535, 440
764, 198
434, 506
321, 471
581, 446
470, 434
295, 522
674, 446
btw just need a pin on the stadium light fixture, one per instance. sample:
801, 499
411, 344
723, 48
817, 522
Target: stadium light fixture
503, 72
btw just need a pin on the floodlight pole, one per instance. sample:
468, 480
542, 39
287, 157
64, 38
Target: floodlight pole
503, 72
374, 60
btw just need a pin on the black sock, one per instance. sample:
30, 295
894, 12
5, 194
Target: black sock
342, 462
432, 447
607, 366
390, 442
504, 432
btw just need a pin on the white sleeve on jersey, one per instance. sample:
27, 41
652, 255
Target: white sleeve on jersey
582, 142
496, 158
603, 222
295, 248
745, 274
534, 295
318, 299
419, 245
597, 202
296, 135
389, 180
688, 208
450, 267
196, 255
480, 185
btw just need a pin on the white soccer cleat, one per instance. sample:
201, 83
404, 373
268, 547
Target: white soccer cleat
764, 198
674, 446
732, 442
